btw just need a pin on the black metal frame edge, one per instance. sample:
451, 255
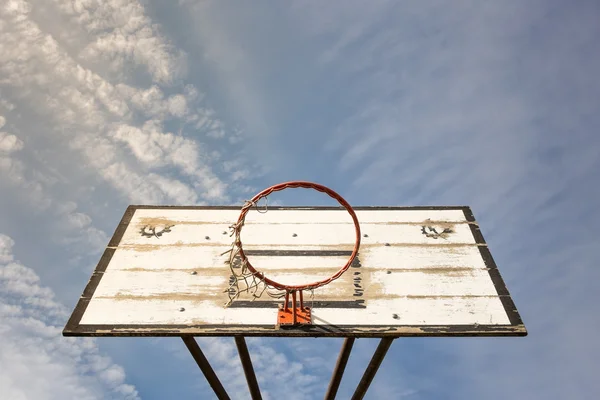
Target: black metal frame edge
73, 327
501, 289
377, 331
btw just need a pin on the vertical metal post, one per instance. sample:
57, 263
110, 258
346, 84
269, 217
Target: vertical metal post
371, 370
338, 371
240, 342
295, 320
287, 300
204, 365
301, 301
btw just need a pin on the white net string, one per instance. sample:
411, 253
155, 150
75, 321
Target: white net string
242, 280
246, 279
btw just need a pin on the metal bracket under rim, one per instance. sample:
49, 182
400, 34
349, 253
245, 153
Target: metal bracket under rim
294, 316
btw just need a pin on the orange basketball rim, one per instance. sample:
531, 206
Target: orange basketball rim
287, 185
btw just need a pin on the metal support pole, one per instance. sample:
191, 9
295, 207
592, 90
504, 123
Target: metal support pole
371, 370
295, 320
204, 365
240, 342
340, 366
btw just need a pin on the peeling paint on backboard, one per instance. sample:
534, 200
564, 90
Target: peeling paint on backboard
420, 271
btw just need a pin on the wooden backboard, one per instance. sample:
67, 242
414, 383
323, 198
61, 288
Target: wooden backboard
420, 271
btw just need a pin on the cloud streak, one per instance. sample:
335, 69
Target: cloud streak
491, 105
95, 116
37, 362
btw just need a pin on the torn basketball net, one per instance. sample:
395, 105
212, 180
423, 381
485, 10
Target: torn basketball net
246, 279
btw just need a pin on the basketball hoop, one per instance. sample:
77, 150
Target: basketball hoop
237, 249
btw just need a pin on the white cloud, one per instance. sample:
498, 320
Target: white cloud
150, 100
6, 245
234, 65
143, 146
79, 220
177, 105
36, 362
76, 228
88, 108
155, 148
465, 104
104, 129
295, 380
9, 144
468, 105
122, 33
6, 105
153, 104
14, 171
175, 189
139, 190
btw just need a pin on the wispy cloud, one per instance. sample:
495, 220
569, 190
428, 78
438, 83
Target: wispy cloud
491, 105
95, 116
488, 104
122, 32
37, 362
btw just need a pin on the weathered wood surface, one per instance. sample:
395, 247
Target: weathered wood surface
415, 268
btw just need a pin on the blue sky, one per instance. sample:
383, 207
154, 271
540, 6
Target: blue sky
489, 104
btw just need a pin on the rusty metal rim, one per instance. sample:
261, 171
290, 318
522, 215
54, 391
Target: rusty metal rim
306, 185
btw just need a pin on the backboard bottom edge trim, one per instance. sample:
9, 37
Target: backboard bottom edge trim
375, 331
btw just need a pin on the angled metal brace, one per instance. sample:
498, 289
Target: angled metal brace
340, 366
204, 365
372, 368
240, 342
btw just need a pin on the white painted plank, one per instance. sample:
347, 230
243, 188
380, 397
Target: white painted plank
209, 284
376, 284
375, 257
416, 257
167, 312
424, 282
168, 257
419, 311
283, 234
302, 264
227, 217
382, 257
127, 283
431, 281
198, 258
304, 278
